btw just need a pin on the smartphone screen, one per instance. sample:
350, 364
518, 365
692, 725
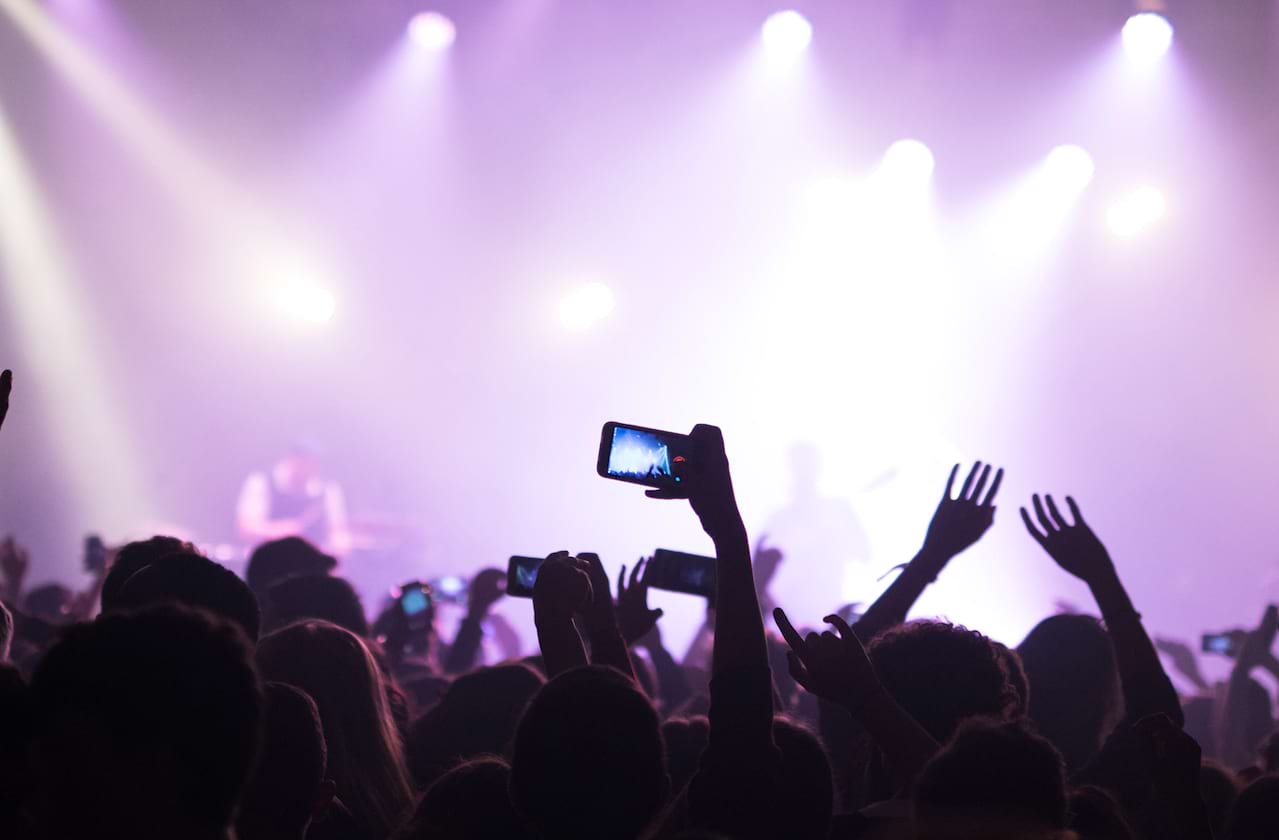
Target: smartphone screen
1222, 643
676, 571
521, 574
449, 589
642, 456
413, 600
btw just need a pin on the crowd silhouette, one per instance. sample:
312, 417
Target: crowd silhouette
174, 699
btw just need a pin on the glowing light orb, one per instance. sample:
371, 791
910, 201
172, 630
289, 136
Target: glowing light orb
1147, 36
586, 307
1068, 169
786, 35
907, 164
432, 31
1136, 212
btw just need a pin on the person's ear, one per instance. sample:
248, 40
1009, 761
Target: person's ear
324, 796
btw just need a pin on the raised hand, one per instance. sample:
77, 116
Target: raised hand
1074, 547
833, 667
961, 520
707, 484
6, 386
1257, 644
563, 587
634, 618
487, 588
767, 560
598, 612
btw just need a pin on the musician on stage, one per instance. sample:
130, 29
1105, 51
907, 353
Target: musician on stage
294, 499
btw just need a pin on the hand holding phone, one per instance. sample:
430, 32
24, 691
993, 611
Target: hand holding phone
416, 602
1225, 644
644, 456
521, 575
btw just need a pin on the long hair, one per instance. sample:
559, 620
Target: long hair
365, 754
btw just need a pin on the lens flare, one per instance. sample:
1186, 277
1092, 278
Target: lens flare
1147, 37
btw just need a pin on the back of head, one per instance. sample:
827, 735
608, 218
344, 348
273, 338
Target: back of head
365, 757
284, 790
146, 724
1074, 684
1219, 789
942, 674
470, 802
316, 596
588, 758
685, 738
1256, 812
994, 779
1096, 815
277, 560
134, 557
807, 796
1016, 677
196, 581
477, 716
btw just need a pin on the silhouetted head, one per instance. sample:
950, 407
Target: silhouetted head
1096, 815
277, 560
1016, 677
1256, 812
365, 757
50, 602
287, 787
146, 725
477, 716
588, 759
942, 674
685, 738
470, 802
807, 796
135, 556
316, 596
196, 581
1219, 789
995, 780
1074, 684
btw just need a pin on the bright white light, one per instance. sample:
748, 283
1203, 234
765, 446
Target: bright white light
1147, 36
304, 301
908, 164
1136, 212
1067, 170
586, 307
432, 31
786, 35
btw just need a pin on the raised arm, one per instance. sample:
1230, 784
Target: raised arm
1077, 550
6, 387
837, 669
1238, 718
600, 618
484, 592
563, 587
639, 627
958, 522
737, 782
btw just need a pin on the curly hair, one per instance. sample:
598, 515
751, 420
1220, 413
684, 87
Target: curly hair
943, 674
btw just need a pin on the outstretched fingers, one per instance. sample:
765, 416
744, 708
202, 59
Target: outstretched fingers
1042, 516
949, 495
789, 633
968, 482
1040, 538
981, 484
989, 501
1058, 519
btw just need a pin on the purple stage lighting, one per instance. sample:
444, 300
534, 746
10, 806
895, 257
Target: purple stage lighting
786, 35
432, 31
1147, 36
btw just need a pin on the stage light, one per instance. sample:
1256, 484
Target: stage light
786, 35
1147, 36
1067, 170
908, 164
586, 307
1136, 212
432, 31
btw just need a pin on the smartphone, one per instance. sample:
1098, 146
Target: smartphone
1222, 643
95, 554
676, 571
642, 456
415, 602
449, 589
521, 574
